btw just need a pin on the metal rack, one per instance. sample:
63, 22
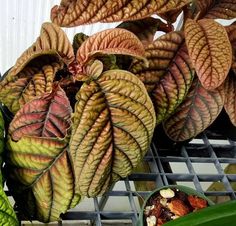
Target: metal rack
202, 152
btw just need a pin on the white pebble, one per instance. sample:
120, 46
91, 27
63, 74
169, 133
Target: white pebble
151, 221
167, 193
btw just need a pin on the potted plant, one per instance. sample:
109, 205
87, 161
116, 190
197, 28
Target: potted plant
84, 113
170, 203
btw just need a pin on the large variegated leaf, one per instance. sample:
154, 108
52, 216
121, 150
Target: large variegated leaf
169, 74
52, 39
28, 84
72, 13
38, 158
210, 51
221, 9
146, 29
110, 41
113, 125
199, 109
231, 30
230, 97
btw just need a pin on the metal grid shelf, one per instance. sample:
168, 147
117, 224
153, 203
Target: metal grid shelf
192, 157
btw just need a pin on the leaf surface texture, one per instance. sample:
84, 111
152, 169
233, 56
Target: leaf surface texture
113, 124
169, 75
210, 56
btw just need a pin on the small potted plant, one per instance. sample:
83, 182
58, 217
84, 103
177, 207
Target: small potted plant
169, 203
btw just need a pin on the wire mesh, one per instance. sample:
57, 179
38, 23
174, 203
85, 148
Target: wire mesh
201, 161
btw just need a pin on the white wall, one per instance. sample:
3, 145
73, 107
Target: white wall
20, 22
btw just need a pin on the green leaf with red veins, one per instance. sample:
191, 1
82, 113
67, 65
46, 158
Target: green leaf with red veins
217, 9
110, 41
113, 125
71, 13
199, 109
169, 75
38, 158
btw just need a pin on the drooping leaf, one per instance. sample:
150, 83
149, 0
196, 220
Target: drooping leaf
48, 116
199, 109
231, 30
113, 124
28, 84
230, 97
110, 41
72, 13
145, 29
78, 40
169, 74
52, 39
38, 158
217, 9
210, 51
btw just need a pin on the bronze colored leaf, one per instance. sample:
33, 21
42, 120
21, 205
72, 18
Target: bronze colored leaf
199, 109
230, 97
210, 51
72, 13
169, 75
217, 9
46, 116
31, 82
38, 159
110, 41
113, 125
146, 29
231, 30
52, 40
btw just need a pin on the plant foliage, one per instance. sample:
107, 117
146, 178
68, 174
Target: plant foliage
84, 112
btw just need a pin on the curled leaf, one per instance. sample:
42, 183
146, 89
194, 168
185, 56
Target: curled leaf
145, 29
28, 84
110, 41
38, 159
169, 75
95, 69
113, 125
230, 94
52, 40
78, 40
199, 109
210, 51
214, 9
72, 13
